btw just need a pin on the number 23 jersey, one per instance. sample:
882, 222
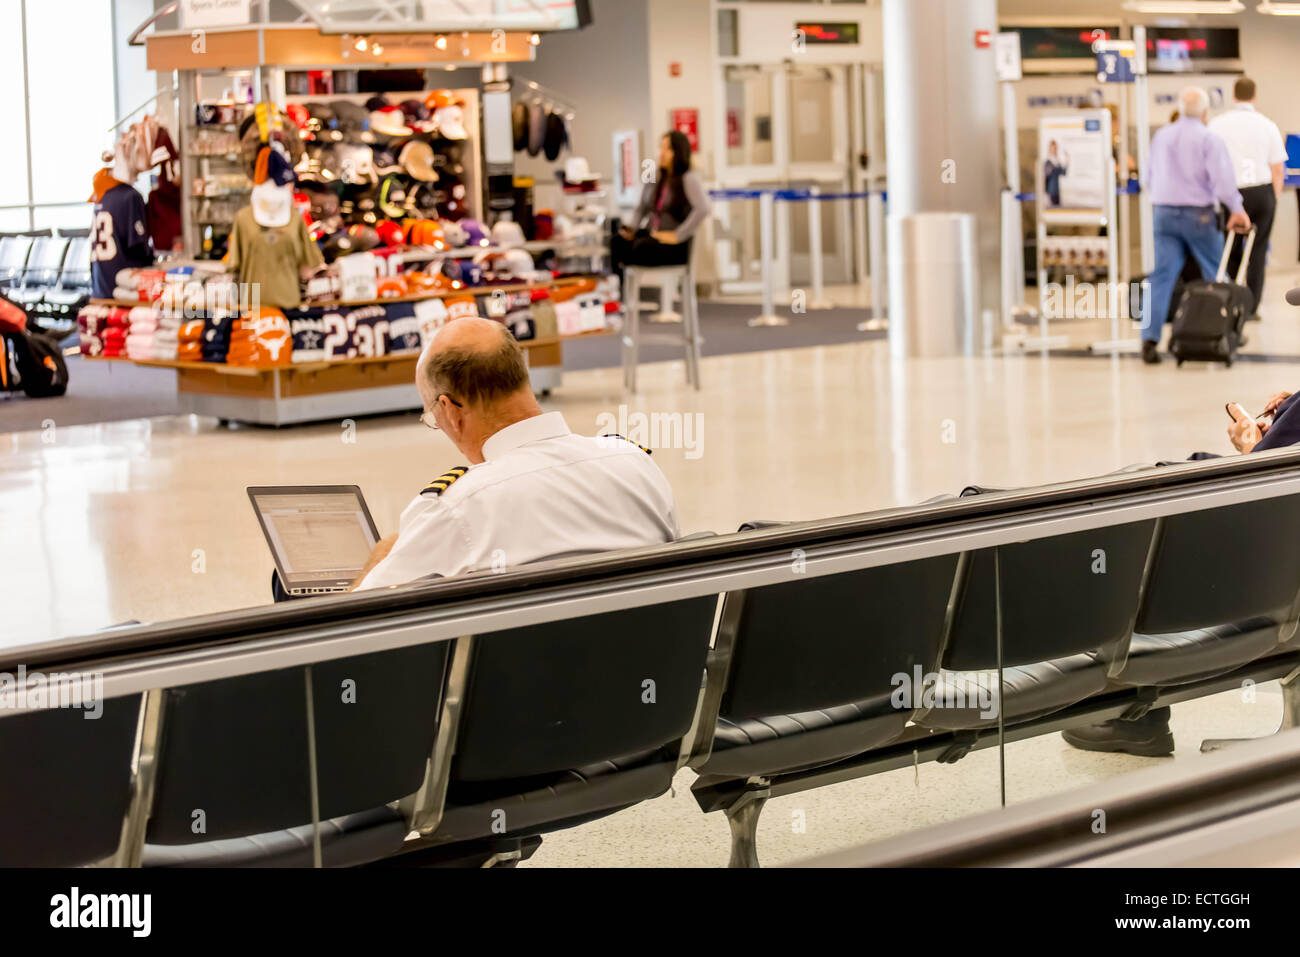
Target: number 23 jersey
119, 238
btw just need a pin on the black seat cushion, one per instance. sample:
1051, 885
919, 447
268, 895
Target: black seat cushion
1185, 656
788, 742
549, 802
345, 842
1029, 691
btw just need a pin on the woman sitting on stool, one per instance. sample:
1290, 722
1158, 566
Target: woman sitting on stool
671, 210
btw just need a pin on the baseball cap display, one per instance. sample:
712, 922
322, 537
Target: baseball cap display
417, 115
364, 238
536, 128
475, 234
417, 159
385, 161
454, 233
353, 120
557, 136
577, 174
392, 197
448, 114
452, 197
323, 123
377, 102
356, 164
390, 121
391, 234
507, 234
272, 197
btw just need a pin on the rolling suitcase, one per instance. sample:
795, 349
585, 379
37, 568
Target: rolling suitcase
1211, 314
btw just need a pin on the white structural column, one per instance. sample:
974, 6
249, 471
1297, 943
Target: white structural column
941, 124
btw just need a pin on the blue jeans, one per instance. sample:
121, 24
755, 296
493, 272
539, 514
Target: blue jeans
1179, 231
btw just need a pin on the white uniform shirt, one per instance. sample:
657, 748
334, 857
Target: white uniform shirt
1254, 143
542, 493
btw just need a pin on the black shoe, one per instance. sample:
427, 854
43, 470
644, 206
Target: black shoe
1148, 736
1150, 352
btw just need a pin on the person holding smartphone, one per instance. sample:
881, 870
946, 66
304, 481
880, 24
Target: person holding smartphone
1277, 427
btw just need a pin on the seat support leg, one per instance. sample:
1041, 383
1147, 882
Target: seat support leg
742, 818
1290, 715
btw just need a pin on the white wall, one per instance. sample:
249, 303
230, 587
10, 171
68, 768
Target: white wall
681, 31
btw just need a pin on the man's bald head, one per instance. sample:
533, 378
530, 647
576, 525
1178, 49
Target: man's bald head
474, 361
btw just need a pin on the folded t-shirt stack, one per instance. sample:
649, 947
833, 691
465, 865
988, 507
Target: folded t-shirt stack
262, 338
189, 341
216, 337
140, 333
139, 285
91, 323
114, 335
166, 337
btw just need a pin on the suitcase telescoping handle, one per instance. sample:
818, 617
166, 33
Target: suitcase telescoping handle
1245, 256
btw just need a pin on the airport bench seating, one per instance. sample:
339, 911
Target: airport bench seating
482, 747
490, 741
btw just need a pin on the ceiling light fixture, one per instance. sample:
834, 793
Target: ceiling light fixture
440, 43
1187, 7
361, 44
1276, 9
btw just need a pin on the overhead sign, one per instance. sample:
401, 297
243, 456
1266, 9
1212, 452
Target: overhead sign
828, 32
1116, 61
1006, 55
213, 13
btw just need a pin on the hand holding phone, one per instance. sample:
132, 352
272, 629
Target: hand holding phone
1236, 411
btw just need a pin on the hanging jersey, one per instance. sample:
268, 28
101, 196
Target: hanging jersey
119, 238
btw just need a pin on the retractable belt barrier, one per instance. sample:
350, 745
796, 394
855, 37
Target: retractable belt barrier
768, 198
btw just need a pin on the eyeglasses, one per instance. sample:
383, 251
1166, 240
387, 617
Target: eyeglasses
427, 417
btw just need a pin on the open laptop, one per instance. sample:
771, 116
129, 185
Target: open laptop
320, 535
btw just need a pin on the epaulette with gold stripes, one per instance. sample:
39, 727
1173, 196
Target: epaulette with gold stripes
444, 481
615, 435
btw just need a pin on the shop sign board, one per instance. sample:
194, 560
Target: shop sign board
627, 168
1074, 166
688, 121
213, 13
1116, 61
1006, 54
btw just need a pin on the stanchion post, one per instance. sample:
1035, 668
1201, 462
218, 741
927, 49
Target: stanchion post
876, 254
766, 221
818, 298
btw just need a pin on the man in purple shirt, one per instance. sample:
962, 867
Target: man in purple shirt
1190, 169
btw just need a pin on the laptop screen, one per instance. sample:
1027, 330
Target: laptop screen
318, 537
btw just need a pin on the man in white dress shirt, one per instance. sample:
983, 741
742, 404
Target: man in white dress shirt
1259, 160
532, 490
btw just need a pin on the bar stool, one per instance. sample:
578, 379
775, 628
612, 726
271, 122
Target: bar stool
686, 335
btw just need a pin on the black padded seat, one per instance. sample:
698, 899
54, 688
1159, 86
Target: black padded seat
568, 721
1186, 656
811, 676
1222, 593
345, 842
1031, 691
236, 750
790, 742
68, 783
1068, 606
554, 801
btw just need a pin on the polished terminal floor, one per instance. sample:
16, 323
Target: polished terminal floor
148, 519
